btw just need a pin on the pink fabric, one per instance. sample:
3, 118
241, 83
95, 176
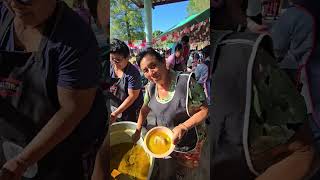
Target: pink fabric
172, 60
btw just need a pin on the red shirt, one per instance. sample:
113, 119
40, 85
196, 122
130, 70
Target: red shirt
186, 51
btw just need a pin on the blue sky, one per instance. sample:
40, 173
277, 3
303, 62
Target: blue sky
166, 16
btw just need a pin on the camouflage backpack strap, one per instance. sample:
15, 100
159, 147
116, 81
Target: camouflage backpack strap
216, 37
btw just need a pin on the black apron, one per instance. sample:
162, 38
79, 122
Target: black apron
174, 112
28, 99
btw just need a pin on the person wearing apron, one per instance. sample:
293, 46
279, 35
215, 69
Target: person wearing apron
52, 113
166, 96
176, 60
126, 95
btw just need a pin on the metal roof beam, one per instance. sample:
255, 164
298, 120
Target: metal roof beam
140, 4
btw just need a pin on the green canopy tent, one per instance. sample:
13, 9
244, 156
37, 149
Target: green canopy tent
193, 19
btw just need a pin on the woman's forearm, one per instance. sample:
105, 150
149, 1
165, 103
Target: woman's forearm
142, 116
55, 131
102, 161
197, 118
126, 103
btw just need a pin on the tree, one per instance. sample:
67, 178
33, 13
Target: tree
156, 33
196, 6
126, 21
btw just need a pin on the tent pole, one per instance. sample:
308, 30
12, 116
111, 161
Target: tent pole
148, 21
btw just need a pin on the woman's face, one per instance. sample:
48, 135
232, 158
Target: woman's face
178, 54
119, 61
152, 69
34, 13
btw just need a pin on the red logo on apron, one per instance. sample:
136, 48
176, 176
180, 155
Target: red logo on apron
113, 89
8, 87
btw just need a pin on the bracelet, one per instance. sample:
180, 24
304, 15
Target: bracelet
184, 126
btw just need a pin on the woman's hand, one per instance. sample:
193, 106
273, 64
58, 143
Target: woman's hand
178, 132
13, 170
113, 117
136, 136
132, 96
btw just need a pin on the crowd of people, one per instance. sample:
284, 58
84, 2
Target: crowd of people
148, 81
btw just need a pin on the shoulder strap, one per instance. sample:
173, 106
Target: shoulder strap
217, 37
151, 89
187, 75
182, 73
5, 25
187, 98
59, 14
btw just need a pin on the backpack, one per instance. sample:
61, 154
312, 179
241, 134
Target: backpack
256, 109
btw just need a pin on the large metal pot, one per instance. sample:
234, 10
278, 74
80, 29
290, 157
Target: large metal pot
121, 132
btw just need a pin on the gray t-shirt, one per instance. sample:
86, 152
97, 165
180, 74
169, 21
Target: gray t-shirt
292, 37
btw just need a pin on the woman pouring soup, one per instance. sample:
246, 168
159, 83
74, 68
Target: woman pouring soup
177, 102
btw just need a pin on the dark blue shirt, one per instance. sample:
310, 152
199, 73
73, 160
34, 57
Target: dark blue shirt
133, 81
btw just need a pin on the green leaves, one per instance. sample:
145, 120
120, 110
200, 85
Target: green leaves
196, 6
126, 22
276, 104
156, 33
